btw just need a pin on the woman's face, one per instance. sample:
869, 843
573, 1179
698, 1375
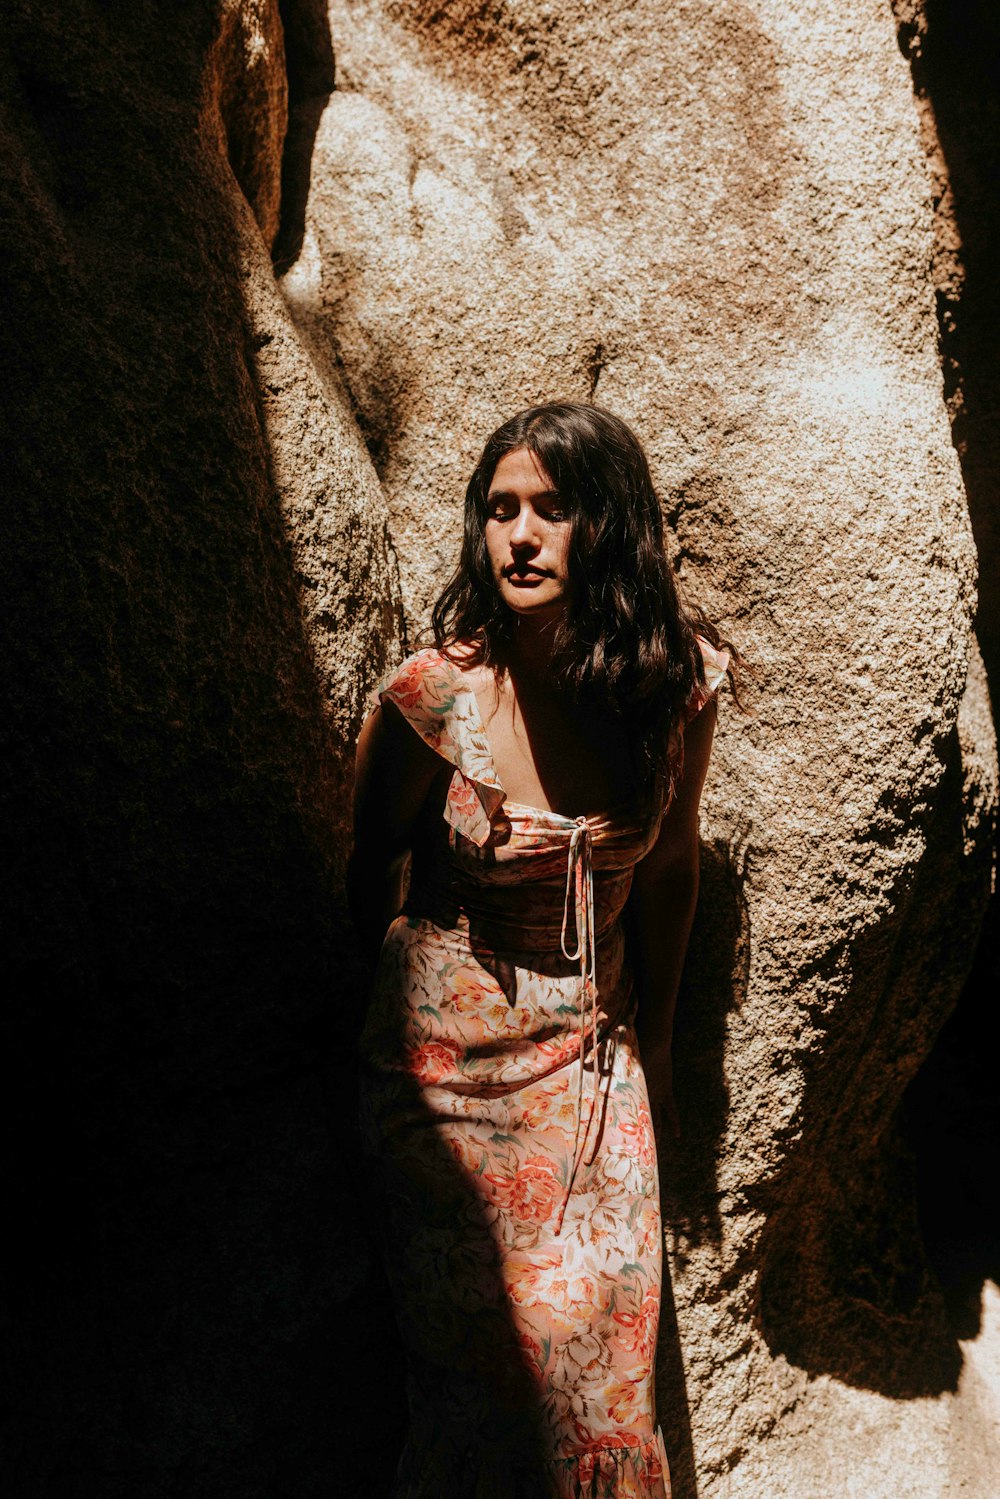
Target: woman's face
527, 537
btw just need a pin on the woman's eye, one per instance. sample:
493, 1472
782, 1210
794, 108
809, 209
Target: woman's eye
503, 512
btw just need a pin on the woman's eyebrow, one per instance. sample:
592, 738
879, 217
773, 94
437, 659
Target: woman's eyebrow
510, 494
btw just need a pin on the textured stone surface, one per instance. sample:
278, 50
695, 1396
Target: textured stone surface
718, 223
195, 589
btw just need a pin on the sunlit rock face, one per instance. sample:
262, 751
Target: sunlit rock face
196, 590
716, 221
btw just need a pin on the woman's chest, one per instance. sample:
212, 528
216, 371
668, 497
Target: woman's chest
556, 756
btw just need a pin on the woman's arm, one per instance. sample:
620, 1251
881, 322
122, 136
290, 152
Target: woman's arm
660, 911
393, 775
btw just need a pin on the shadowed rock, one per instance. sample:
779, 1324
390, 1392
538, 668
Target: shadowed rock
196, 590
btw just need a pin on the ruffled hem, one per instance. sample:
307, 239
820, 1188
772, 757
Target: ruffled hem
607, 1470
613, 1470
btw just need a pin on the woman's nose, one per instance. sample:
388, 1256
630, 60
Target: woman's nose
524, 532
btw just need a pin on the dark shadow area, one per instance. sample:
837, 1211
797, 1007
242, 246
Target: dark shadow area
845, 1285
309, 61
952, 1115
673, 1408
714, 982
191, 1308
951, 1121
715, 979
477, 1416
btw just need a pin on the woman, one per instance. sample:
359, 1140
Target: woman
541, 766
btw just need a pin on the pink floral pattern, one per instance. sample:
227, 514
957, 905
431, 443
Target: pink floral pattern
525, 1271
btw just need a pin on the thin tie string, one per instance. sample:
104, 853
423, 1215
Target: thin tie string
580, 899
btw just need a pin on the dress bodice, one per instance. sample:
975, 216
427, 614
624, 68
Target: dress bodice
500, 865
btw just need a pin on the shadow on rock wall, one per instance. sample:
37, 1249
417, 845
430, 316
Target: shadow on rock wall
714, 983
952, 1117
191, 1308
845, 1287
310, 67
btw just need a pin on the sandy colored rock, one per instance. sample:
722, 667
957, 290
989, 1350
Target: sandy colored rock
718, 224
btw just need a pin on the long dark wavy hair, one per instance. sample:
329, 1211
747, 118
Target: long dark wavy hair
627, 644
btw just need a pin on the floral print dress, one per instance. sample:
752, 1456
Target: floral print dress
505, 1105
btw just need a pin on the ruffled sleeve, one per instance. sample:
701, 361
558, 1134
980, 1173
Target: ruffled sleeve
716, 663
429, 692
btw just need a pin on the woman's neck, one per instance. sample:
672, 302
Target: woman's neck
532, 647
